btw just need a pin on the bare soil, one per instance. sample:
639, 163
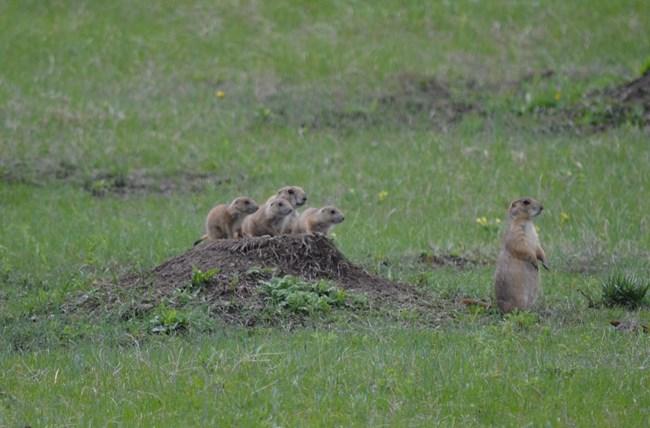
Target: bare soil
631, 100
627, 103
452, 260
407, 99
105, 183
144, 182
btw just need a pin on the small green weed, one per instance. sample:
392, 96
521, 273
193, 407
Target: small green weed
626, 290
645, 68
98, 187
520, 320
200, 278
540, 101
168, 320
289, 294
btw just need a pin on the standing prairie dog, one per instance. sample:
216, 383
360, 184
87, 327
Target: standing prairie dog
516, 280
224, 221
318, 220
296, 197
268, 219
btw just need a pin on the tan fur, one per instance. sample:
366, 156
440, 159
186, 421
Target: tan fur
224, 221
516, 279
294, 194
268, 219
296, 197
318, 220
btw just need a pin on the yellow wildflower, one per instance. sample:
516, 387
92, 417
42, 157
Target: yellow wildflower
219, 94
564, 217
483, 221
382, 195
558, 95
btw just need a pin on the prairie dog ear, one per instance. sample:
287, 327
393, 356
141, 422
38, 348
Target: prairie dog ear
514, 209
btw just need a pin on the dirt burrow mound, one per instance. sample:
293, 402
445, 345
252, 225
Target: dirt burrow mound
233, 293
628, 103
633, 98
638, 90
309, 257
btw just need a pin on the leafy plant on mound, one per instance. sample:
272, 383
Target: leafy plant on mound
621, 289
200, 278
168, 320
292, 295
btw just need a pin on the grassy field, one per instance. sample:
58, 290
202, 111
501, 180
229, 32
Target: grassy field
122, 123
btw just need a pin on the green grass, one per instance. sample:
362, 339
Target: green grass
117, 89
472, 376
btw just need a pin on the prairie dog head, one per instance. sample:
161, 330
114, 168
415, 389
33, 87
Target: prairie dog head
279, 207
294, 194
525, 209
330, 215
244, 205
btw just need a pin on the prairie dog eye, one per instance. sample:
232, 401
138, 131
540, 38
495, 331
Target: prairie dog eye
332, 212
526, 202
291, 191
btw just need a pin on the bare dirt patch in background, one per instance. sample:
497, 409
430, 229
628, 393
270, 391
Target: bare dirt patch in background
233, 294
417, 95
626, 103
143, 182
106, 183
408, 99
416, 100
452, 260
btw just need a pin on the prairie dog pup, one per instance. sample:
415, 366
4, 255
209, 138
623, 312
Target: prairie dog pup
296, 197
318, 220
294, 194
516, 280
224, 221
268, 219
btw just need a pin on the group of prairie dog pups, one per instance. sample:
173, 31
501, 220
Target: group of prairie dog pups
277, 216
516, 279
